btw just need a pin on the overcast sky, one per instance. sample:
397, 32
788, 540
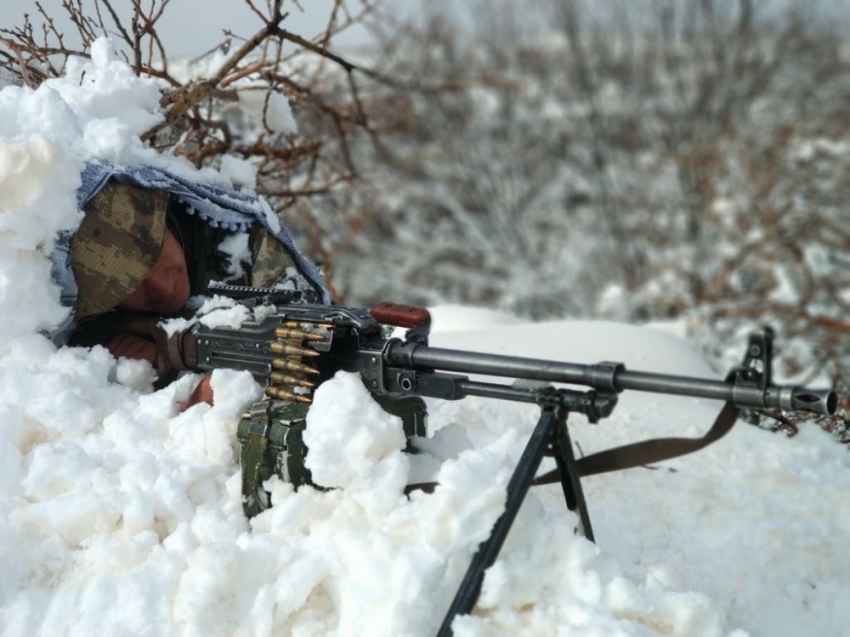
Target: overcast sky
191, 27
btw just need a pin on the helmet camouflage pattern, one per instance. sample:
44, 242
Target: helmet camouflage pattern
116, 245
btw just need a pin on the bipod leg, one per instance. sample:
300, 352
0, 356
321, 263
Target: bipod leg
570, 480
540, 442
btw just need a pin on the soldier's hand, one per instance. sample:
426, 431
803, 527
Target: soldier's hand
203, 394
130, 346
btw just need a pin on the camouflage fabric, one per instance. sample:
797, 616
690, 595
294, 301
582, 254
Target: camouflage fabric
118, 242
121, 238
270, 259
270, 436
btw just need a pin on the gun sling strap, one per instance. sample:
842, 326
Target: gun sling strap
637, 454
648, 451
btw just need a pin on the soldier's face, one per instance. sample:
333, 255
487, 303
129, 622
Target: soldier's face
166, 285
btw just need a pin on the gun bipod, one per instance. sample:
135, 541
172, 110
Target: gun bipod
550, 438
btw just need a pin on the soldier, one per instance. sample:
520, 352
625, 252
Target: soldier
146, 250
148, 242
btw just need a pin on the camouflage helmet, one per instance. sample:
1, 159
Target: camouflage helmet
116, 245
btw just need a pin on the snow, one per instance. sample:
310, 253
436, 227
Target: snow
121, 515
237, 250
38, 177
214, 311
239, 171
352, 441
270, 109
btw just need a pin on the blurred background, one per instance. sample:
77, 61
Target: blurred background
646, 160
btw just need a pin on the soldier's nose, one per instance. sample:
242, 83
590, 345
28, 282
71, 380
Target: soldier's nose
158, 285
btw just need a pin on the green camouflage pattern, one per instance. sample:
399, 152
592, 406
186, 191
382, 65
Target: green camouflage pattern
270, 259
120, 239
271, 438
116, 245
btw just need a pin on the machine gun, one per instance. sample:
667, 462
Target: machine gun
291, 347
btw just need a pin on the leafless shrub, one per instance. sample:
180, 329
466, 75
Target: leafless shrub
200, 121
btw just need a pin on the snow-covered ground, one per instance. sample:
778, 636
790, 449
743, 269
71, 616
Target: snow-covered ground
121, 516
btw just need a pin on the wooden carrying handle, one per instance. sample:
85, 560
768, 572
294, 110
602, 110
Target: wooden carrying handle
406, 316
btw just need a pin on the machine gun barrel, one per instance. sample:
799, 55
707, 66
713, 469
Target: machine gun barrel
614, 377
